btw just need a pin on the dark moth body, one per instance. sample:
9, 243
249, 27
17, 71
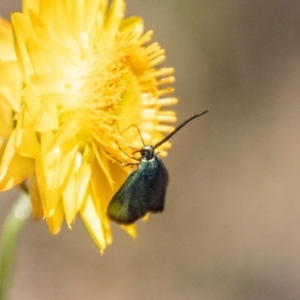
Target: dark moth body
143, 191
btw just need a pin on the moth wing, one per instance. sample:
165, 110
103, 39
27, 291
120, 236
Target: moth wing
129, 204
158, 187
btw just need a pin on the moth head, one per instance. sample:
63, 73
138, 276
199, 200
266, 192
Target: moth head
147, 152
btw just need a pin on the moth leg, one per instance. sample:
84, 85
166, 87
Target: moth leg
118, 161
125, 164
129, 164
132, 157
133, 148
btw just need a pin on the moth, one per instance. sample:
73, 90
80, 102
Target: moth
145, 188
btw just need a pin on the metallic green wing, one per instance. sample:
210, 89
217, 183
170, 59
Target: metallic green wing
143, 191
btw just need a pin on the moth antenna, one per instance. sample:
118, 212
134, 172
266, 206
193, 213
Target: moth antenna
139, 134
178, 128
133, 125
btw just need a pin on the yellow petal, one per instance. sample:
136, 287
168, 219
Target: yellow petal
10, 84
113, 18
132, 24
35, 199
90, 216
31, 100
5, 97
102, 193
54, 222
37, 56
49, 198
30, 4
6, 120
3, 143
59, 155
47, 118
103, 162
26, 142
14, 168
23, 34
75, 191
130, 229
69, 199
84, 176
6, 41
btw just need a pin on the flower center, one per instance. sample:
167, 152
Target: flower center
112, 95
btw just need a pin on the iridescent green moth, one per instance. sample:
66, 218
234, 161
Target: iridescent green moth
145, 188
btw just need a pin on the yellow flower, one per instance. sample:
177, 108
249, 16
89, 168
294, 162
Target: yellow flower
73, 78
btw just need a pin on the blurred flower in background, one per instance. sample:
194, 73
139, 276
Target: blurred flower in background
74, 75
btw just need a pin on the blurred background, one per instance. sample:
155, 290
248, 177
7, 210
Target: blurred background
231, 228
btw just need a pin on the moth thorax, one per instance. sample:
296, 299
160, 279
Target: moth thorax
147, 152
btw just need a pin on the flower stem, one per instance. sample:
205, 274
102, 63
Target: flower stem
10, 234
